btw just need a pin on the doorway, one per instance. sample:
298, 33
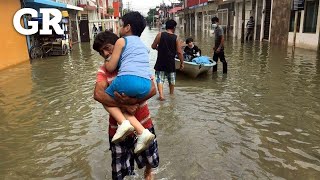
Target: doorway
267, 20
84, 28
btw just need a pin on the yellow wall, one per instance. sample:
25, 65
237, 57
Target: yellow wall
13, 46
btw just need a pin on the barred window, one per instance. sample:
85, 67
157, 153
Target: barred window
311, 16
292, 21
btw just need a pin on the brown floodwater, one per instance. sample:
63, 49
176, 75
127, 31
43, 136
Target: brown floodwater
260, 121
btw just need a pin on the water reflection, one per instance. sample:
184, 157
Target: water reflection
260, 121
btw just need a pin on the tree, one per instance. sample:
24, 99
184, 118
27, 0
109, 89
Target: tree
151, 14
125, 11
110, 10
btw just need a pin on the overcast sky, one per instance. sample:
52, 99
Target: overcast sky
143, 6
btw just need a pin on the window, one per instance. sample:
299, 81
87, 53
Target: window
311, 16
292, 21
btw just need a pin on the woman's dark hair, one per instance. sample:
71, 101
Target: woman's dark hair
189, 40
136, 21
103, 38
171, 24
214, 20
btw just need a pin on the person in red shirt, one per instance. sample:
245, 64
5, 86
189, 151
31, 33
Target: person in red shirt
122, 153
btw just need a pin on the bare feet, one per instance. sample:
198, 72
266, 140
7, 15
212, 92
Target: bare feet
148, 174
161, 98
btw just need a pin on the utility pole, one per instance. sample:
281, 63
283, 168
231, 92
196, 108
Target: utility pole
295, 29
98, 9
297, 6
153, 17
128, 6
243, 19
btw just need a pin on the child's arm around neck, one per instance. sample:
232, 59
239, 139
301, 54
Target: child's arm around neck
112, 64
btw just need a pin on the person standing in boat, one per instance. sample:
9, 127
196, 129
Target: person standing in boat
168, 46
218, 49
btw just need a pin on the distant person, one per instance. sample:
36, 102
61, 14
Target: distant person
160, 26
100, 28
95, 31
131, 56
168, 47
250, 29
191, 51
122, 154
218, 48
70, 44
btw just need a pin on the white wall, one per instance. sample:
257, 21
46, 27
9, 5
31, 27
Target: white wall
176, 18
238, 17
92, 15
110, 3
306, 40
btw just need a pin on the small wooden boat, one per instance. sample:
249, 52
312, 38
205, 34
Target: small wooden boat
193, 69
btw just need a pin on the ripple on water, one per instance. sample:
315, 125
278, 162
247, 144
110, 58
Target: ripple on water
258, 122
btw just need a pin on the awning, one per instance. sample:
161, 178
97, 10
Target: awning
39, 19
87, 7
74, 7
36, 4
44, 4
174, 10
65, 13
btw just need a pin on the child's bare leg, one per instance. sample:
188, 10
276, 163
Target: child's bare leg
116, 113
124, 126
135, 123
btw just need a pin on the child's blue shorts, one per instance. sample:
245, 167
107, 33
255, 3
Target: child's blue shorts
130, 85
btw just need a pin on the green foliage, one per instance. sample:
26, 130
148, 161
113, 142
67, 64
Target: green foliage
125, 11
151, 13
110, 10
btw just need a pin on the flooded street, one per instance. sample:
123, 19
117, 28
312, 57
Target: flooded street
260, 121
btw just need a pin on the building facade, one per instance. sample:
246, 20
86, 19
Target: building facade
196, 15
274, 19
13, 46
104, 14
89, 14
308, 26
13, 41
69, 10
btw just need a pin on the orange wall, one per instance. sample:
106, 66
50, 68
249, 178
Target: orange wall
13, 46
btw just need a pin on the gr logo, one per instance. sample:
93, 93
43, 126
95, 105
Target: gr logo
46, 21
